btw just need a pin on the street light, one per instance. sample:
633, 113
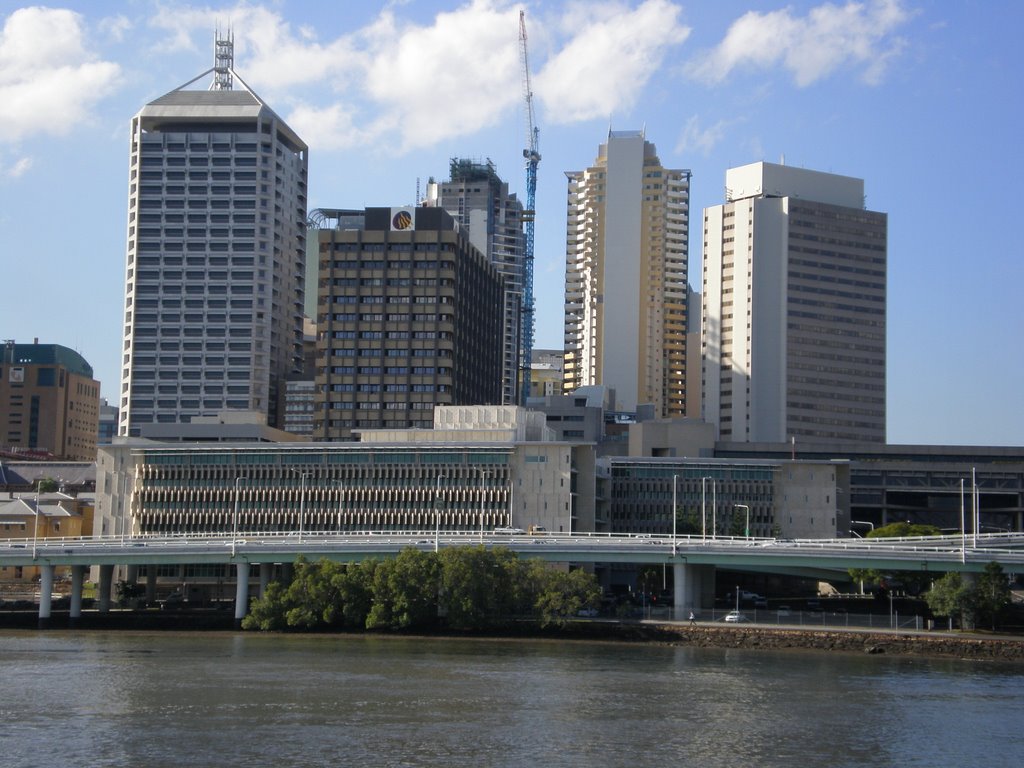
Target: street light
483, 473
747, 510
703, 509
35, 529
437, 512
674, 513
234, 517
302, 500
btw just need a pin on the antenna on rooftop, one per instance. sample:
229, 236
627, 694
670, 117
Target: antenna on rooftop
223, 60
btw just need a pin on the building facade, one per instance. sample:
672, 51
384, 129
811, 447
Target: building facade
627, 246
477, 198
49, 402
794, 309
410, 316
216, 256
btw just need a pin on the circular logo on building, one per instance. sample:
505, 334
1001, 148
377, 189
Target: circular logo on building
401, 220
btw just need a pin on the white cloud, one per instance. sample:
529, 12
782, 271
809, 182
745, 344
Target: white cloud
19, 168
115, 27
411, 85
613, 52
49, 81
696, 139
810, 47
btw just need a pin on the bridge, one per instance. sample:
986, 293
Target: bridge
691, 557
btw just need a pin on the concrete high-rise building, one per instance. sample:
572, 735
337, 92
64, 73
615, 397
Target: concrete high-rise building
794, 309
627, 245
480, 202
409, 317
216, 255
49, 402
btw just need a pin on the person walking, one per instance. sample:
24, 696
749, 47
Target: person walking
693, 619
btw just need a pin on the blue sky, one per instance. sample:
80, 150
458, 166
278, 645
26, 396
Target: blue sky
922, 100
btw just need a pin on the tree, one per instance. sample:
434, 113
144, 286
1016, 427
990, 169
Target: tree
405, 591
313, 595
950, 596
992, 594
47, 485
561, 595
687, 522
126, 591
894, 530
355, 587
269, 612
477, 586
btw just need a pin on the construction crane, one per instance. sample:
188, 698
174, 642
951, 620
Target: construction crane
532, 155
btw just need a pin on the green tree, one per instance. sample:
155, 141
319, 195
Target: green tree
405, 591
126, 591
950, 596
355, 587
269, 613
313, 595
561, 595
903, 530
47, 485
687, 522
477, 586
992, 594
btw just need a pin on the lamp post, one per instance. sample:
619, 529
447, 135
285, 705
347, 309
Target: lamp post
234, 516
302, 500
437, 513
963, 521
746, 509
35, 529
674, 514
483, 473
703, 509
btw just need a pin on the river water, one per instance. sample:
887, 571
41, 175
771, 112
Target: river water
224, 699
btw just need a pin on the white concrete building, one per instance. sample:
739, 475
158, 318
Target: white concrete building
627, 245
215, 262
794, 309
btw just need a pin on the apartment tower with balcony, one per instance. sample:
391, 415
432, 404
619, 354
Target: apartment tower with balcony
627, 241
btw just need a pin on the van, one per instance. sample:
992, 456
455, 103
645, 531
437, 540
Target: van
535, 529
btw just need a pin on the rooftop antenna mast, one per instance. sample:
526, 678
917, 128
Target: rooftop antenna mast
223, 60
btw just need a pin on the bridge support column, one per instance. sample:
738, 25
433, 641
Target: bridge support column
150, 583
106, 579
266, 570
131, 574
241, 593
690, 583
77, 582
45, 591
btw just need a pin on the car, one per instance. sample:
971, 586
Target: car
784, 610
173, 602
509, 530
735, 617
588, 613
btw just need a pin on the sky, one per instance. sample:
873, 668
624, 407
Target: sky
922, 100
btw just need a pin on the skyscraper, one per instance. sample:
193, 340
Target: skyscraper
480, 202
215, 267
409, 317
794, 308
627, 245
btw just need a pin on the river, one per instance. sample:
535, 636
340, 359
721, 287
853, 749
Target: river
224, 699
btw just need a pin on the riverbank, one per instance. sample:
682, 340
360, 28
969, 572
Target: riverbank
975, 646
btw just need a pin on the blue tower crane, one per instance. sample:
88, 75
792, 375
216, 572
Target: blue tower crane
532, 155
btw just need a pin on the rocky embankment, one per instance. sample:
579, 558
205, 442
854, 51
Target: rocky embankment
893, 643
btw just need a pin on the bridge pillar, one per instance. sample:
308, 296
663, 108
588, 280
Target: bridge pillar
150, 583
241, 593
690, 583
131, 574
45, 591
266, 570
106, 579
77, 582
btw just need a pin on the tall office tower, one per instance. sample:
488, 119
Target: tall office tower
409, 317
49, 402
794, 309
627, 243
216, 240
480, 202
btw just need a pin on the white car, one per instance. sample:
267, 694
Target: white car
508, 530
735, 617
